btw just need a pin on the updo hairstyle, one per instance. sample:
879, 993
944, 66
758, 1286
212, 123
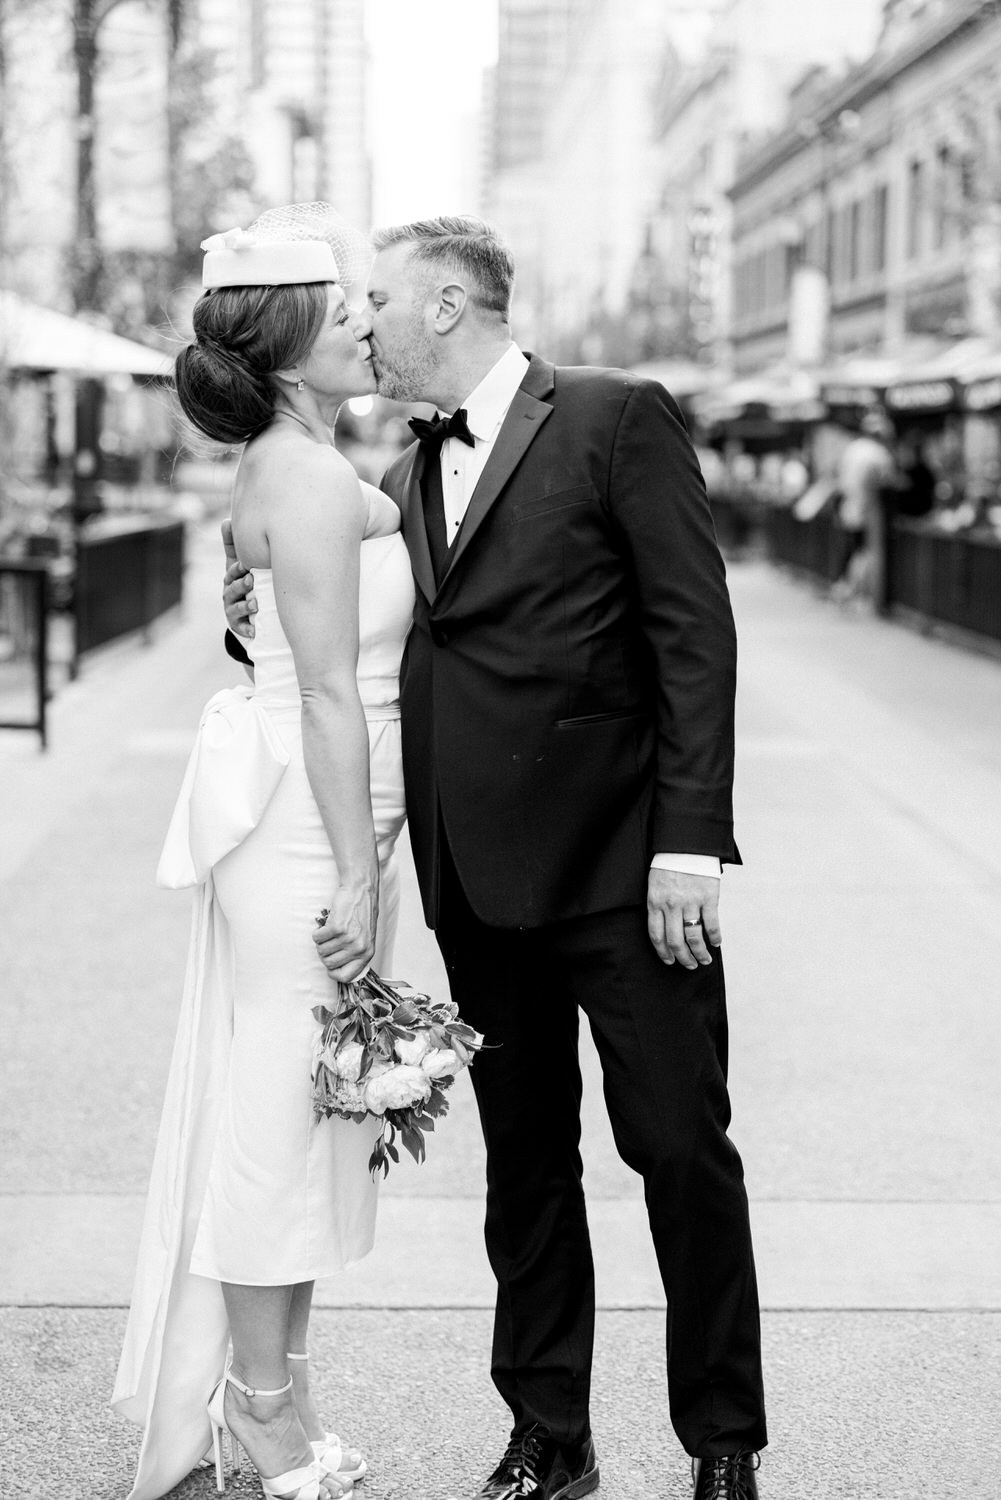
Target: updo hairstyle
243, 334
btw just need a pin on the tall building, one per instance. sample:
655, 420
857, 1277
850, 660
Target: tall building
571, 84
533, 38
533, 41
292, 84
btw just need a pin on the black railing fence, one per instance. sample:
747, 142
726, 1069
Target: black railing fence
819, 546
952, 579
24, 619
125, 579
931, 576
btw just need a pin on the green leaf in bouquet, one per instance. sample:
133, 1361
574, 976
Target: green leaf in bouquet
436, 1104
379, 1160
406, 1014
413, 1139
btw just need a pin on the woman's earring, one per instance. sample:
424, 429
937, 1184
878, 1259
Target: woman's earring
300, 384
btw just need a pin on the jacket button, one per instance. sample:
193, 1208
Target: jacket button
439, 635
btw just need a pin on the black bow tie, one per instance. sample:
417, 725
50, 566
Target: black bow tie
433, 434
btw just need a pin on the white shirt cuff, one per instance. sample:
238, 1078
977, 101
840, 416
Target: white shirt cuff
688, 864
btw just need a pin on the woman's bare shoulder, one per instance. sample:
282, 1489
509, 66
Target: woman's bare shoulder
290, 481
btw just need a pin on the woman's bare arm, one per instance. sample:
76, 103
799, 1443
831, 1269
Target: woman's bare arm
314, 518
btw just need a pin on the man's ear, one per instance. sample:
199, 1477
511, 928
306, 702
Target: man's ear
448, 305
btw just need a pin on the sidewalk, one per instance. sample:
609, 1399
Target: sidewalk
862, 943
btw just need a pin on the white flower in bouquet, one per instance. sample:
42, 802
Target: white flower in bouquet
411, 1050
347, 1061
441, 1062
396, 1088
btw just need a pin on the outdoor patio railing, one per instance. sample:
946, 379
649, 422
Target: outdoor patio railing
125, 579
24, 619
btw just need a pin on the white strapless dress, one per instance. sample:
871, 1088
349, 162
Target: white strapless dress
246, 1186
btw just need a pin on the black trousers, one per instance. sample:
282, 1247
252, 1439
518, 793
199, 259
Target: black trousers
661, 1035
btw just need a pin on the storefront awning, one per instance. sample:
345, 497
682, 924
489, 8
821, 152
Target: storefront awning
37, 338
857, 380
775, 396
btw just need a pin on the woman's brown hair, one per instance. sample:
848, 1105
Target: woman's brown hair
243, 334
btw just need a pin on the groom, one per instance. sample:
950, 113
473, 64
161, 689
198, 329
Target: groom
567, 702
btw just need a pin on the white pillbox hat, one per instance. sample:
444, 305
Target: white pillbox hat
239, 257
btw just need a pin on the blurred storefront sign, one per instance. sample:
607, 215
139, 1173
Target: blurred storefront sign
851, 395
983, 395
923, 395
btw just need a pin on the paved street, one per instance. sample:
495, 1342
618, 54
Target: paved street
863, 948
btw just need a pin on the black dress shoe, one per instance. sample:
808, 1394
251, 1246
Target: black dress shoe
730, 1478
536, 1467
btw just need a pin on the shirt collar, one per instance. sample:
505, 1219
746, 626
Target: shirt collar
487, 405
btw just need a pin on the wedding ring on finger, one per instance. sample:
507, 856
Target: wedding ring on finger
696, 923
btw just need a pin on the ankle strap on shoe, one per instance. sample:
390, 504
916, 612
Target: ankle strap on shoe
249, 1390
296, 1356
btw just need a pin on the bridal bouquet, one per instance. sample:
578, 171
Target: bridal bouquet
384, 1049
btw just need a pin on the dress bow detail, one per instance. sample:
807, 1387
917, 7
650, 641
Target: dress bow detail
433, 434
234, 768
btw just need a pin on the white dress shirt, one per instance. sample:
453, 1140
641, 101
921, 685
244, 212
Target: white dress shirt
461, 466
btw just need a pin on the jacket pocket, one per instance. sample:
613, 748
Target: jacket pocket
544, 505
610, 717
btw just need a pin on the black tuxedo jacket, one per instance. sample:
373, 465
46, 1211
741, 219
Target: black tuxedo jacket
568, 689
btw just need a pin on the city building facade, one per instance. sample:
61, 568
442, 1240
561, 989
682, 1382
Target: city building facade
869, 225
704, 115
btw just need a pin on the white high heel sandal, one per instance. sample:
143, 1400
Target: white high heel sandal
297, 1484
334, 1459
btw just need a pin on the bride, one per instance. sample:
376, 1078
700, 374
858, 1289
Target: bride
292, 804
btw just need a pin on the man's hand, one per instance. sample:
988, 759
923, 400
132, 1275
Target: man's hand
237, 592
683, 917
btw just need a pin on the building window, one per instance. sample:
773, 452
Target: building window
880, 217
777, 275
854, 213
942, 207
916, 206
815, 245
967, 178
840, 231
830, 245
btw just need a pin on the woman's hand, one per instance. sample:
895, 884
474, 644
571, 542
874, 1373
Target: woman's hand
237, 592
346, 941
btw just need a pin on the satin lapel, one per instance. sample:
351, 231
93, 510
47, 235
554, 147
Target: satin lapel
521, 426
414, 531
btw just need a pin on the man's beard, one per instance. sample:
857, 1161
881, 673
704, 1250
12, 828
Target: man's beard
405, 375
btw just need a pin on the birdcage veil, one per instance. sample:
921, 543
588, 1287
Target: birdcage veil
318, 221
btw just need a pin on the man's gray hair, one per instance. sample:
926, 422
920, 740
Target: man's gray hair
462, 243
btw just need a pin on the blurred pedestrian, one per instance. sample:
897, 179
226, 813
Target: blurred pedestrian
866, 467
911, 491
